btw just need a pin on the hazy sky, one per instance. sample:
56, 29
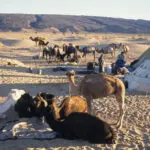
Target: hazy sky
134, 9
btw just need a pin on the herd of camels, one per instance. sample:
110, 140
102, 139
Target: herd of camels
75, 117
92, 86
53, 52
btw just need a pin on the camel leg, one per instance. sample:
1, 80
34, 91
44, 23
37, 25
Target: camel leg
89, 104
114, 52
94, 55
120, 100
112, 55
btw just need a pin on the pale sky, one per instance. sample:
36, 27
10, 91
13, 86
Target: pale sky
130, 9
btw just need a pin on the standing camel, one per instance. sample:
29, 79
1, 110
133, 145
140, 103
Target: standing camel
36, 39
42, 44
53, 53
69, 105
69, 50
110, 49
87, 50
94, 86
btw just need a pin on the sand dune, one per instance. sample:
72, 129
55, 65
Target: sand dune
17, 43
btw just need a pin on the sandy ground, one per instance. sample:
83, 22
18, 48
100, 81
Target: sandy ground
18, 49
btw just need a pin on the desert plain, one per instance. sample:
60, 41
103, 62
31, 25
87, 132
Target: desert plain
17, 48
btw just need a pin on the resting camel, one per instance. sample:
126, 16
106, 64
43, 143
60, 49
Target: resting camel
25, 106
94, 86
69, 105
28, 107
79, 126
87, 50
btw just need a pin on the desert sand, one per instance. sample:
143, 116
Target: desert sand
17, 48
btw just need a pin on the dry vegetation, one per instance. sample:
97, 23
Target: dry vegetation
15, 47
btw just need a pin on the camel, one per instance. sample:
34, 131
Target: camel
53, 53
110, 49
36, 39
79, 126
29, 107
87, 50
42, 44
69, 105
94, 86
25, 106
69, 50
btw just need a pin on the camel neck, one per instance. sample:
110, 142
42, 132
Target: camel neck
73, 89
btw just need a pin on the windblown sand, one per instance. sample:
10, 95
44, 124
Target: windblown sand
17, 49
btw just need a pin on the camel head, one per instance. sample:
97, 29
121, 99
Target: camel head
41, 105
31, 38
25, 106
41, 100
47, 43
71, 75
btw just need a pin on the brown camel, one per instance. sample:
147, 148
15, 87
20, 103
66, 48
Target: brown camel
69, 105
36, 39
94, 86
42, 44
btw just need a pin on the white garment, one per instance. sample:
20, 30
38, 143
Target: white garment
11, 100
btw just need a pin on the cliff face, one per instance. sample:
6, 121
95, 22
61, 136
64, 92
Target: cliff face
62, 23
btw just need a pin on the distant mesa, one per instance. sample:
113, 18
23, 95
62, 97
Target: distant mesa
68, 23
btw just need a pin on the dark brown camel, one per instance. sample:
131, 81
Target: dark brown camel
69, 49
79, 126
42, 44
